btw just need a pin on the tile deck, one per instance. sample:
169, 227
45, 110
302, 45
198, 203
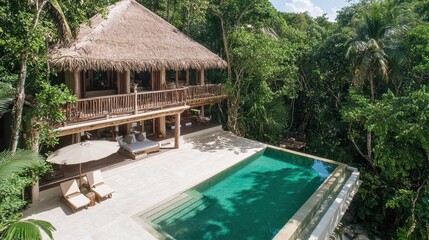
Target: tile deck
143, 184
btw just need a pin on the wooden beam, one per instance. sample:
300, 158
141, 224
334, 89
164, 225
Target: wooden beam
93, 125
176, 130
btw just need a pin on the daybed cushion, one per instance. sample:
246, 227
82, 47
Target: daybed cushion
138, 146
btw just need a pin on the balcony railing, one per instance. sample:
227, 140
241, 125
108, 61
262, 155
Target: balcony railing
134, 103
210, 93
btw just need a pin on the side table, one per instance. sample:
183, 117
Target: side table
91, 197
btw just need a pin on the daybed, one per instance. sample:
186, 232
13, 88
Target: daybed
136, 148
98, 186
72, 195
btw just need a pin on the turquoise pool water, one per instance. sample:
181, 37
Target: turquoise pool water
252, 200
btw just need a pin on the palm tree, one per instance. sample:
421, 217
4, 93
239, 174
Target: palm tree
369, 52
12, 163
20, 93
27, 230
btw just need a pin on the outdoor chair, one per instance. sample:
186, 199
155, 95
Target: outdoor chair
73, 196
203, 119
98, 186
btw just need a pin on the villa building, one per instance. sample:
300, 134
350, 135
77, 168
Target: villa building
132, 69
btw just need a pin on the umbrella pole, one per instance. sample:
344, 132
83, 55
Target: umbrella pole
80, 174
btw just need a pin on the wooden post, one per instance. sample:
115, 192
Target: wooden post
177, 79
136, 107
127, 86
201, 76
35, 190
161, 127
187, 77
77, 91
77, 87
176, 130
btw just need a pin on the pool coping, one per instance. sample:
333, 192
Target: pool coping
300, 219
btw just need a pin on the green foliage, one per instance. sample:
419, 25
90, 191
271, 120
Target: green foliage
12, 202
262, 81
50, 101
11, 163
28, 230
14, 177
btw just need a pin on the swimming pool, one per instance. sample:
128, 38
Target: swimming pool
254, 199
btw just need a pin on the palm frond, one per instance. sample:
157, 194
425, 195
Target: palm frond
61, 21
14, 163
5, 102
28, 230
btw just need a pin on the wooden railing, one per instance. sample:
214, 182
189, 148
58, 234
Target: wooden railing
209, 93
133, 103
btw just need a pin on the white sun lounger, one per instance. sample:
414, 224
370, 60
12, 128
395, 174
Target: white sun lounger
72, 195
98, 186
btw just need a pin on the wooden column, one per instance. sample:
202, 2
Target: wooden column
77, 86
176, 130
127, 82
201, 77
136, 107
187, 77
161, 121
126, 77
177, 79
77, 91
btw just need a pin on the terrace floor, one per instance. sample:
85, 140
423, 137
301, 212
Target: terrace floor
142, 184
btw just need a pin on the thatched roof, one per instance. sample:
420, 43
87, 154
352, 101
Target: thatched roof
132, 37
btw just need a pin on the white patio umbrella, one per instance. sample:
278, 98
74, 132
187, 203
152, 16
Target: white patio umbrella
83, 152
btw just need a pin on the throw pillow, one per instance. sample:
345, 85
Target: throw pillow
141, 137
129, 139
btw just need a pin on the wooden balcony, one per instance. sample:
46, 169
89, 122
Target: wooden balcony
120, 105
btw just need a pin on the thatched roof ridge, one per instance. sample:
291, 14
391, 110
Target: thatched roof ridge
132, 37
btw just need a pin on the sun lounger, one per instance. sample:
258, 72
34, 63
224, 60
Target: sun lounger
137, 148
98, 186
72, 195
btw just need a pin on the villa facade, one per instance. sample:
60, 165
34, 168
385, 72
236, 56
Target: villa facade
132, 70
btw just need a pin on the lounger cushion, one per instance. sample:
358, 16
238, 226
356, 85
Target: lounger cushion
139, 146
69, 188
95, 178
78, 201
102, 190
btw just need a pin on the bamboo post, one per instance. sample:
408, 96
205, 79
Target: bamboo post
176, 130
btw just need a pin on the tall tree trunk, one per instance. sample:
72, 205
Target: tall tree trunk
19, 104
369, 134
168, 10
372, 86
20, 91
225, 46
